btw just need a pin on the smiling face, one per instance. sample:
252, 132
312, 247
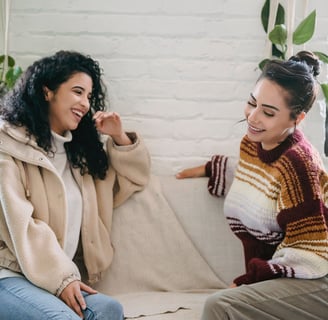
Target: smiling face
69, 103
268, 115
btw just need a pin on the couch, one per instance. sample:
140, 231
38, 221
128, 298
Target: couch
173, 248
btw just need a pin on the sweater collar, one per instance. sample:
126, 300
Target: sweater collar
268, 156
59, 141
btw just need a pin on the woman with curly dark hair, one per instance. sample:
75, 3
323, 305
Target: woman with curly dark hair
65, 163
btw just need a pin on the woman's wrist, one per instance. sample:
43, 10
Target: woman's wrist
122, 140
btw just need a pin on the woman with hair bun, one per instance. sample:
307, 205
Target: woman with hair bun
65, 163
276, 202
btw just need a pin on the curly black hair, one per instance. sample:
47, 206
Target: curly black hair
26, 106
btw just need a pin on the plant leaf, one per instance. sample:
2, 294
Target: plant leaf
324, 87
265, 14
276, 52
322, 56
305, 29
262, 63
12, 75
280, 18
278, 35
11, 61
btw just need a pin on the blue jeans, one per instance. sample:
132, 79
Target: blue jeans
21, 300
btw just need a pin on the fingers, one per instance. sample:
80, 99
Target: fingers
108, 123
194, 172
73, 297
182, 175
87, 289
101, 116
77, 303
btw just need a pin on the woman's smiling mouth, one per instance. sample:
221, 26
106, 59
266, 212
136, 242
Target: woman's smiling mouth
77, 113
254, 129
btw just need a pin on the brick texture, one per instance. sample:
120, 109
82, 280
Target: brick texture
178, 72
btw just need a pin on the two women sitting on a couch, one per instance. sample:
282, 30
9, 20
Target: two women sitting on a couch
60, 181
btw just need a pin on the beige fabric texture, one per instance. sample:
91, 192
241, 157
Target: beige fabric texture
202, 218
163, 305
158, 270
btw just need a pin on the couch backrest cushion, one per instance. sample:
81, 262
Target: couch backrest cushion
201, 215
157, 250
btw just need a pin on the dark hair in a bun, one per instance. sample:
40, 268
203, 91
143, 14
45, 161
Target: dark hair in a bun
310, 59
297, 76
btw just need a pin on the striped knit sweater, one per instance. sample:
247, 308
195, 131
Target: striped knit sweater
277, 206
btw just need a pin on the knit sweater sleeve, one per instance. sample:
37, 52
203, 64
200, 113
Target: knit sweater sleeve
302, 215
220, 170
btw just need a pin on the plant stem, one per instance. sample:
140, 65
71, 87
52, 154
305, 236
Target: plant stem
272, 19
290, 27
305, 10
6, 11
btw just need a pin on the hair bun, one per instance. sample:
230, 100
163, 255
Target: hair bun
310, 59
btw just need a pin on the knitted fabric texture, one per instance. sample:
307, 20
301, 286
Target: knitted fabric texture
277, 206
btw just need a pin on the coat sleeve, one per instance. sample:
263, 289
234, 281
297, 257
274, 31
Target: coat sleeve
131, 165
221, 171
31, 246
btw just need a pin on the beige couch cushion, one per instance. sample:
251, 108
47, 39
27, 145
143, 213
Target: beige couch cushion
158, 267
201, 216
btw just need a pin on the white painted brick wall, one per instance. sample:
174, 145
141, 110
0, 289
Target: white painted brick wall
177, 71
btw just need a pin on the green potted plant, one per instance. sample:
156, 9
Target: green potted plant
278, 37
9, 71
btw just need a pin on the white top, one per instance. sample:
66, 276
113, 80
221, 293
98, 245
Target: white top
73, 193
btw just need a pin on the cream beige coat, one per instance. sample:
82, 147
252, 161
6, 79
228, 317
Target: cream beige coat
33, 209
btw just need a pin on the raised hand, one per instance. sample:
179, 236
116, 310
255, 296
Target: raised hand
110, 123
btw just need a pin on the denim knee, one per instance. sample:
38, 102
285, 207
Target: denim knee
105, 309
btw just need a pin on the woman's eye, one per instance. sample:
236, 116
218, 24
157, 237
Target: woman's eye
268, 114
79, 92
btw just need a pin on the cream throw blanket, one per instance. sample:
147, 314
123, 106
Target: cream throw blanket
155, 262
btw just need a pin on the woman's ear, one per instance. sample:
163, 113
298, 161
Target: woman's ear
300, 117
46, 93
